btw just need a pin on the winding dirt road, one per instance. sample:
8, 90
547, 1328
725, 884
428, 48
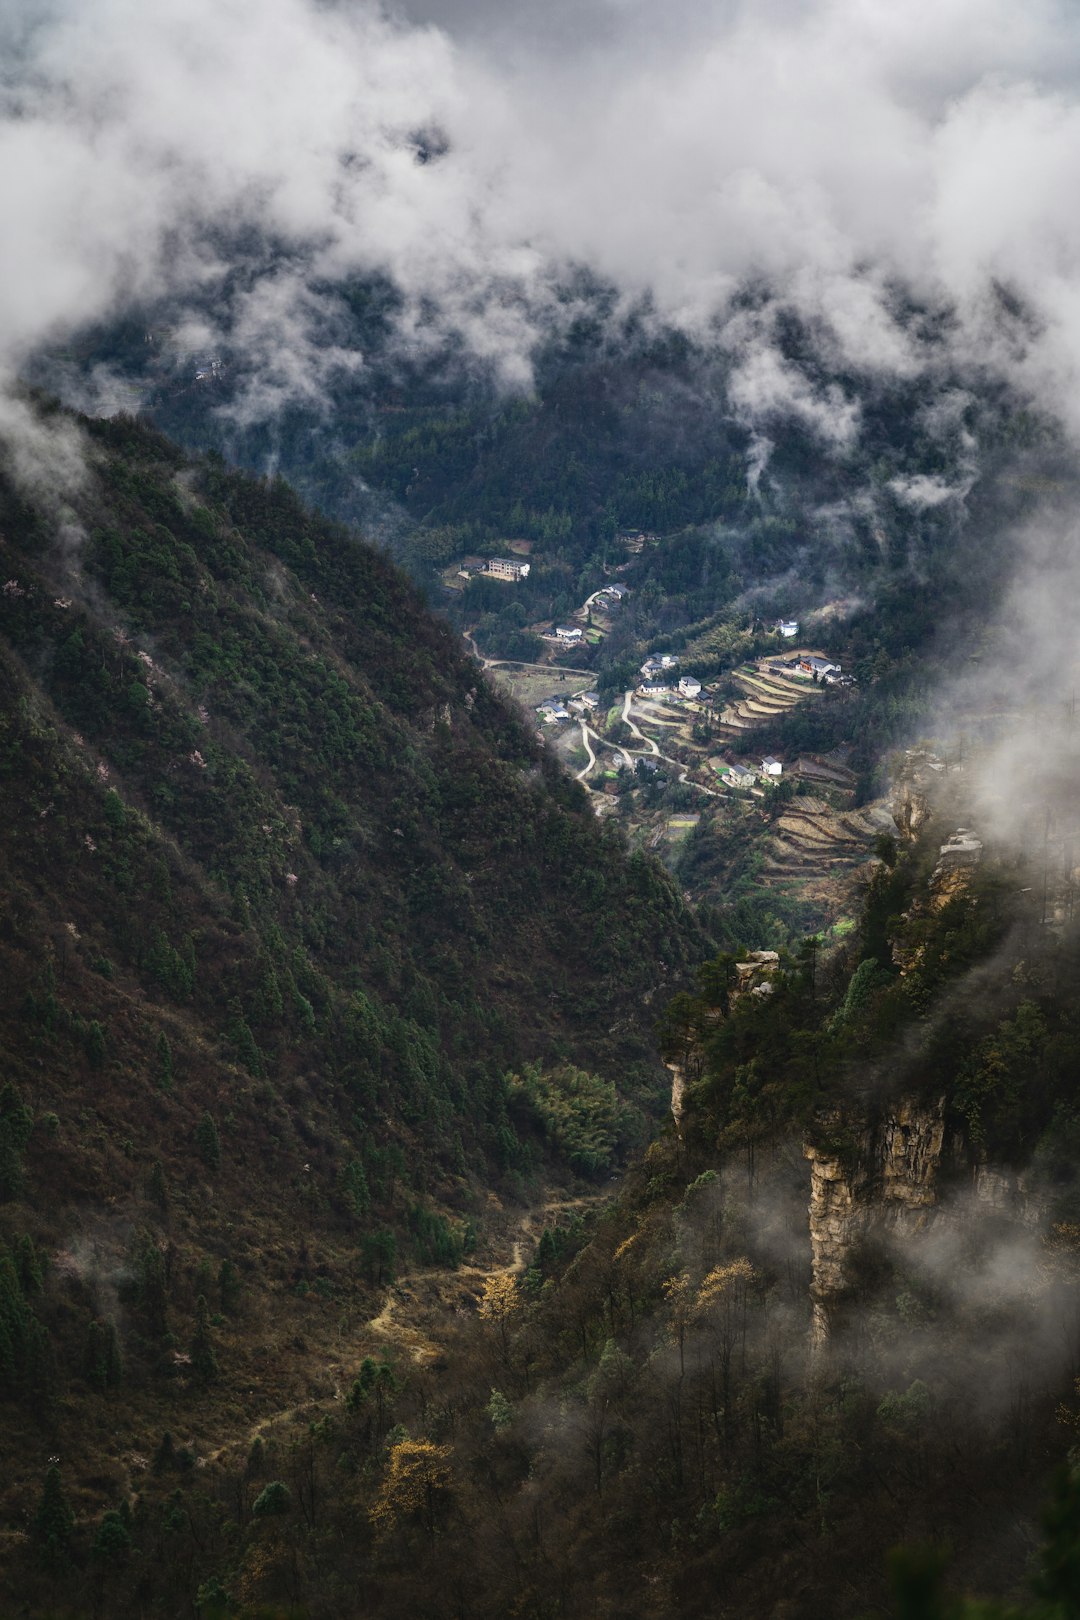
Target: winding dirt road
415, 1311
518, 663
417, 1305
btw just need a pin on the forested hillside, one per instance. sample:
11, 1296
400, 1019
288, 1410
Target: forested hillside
289, 892
683, 1403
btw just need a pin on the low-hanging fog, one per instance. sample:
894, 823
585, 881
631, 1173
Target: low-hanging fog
841, 158
901, 180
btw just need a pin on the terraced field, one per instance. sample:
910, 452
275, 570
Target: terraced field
819, 846
766, 697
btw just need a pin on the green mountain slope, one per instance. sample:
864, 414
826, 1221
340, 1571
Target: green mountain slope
288, 891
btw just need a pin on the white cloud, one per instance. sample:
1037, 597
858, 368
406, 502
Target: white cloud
831, 150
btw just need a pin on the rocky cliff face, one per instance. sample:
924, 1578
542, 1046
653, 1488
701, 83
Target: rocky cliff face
884, 1180
913, 788
867, 1178
754, 977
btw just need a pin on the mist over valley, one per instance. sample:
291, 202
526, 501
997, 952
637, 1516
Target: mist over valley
538, 750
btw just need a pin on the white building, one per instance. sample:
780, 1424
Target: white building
658, 662
821, 667
690, 686
786, 627
771, 769
507, 568
740, 775
569, 634
585, 701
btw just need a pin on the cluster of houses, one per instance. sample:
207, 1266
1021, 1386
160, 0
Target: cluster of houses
740, 774
553, 709
659, 663
687, 686
659, 678
812, 667
611, 597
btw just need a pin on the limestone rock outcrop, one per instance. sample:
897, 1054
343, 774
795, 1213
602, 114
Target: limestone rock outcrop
867, 1177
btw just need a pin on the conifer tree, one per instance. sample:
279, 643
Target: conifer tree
95, 1044
153, 1283
16, 1123
208, 1142
54, 1522
112, 1543
273, 1501
354, 1186
14, 1319
164, 1062
244, 1043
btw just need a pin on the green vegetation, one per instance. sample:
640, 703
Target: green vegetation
316, 958
289, 892
577, 1112
642, 1388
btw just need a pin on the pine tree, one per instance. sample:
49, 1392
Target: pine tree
208, 1142
165, 1062
112, 1543
270, 1003
354, 1187
53, 1523
16, 1123
273, 1501
153, 1284
165, 1455
379, 1251
14, 1319
243, 1042
204, 1366
95, 1044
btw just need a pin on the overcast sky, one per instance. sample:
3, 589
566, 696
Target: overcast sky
831, 148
